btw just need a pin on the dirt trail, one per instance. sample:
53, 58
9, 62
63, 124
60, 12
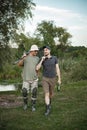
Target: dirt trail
10, 101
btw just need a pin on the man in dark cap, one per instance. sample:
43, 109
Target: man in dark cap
50, 71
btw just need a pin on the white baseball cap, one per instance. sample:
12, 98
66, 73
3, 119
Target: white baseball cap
34, 48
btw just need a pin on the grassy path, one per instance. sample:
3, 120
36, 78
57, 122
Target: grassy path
69, 111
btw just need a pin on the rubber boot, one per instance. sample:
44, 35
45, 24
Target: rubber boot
33, 102
25, 103
47, 110
25, 98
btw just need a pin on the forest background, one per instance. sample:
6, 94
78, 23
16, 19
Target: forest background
72, 60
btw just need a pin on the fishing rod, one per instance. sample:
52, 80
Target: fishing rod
26, 53
40, 53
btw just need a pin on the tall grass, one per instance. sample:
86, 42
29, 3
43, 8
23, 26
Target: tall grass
69, 111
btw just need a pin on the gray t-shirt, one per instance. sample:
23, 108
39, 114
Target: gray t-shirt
29, 72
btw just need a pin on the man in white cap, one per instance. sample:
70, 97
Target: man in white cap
30, 77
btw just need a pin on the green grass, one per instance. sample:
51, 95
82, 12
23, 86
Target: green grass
69, 111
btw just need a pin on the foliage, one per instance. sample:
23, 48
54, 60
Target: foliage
24, 43
45, 30
5, 56
12, 73
52, 35
12, 15
73, 67
79, 71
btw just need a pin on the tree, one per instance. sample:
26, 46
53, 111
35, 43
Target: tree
24, 43
12, 15
45, 30
63, 36
48, 32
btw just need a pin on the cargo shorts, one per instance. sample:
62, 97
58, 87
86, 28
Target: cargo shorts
48, 85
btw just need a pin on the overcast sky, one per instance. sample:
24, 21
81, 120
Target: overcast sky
69, 14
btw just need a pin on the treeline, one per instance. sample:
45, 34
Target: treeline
73, 65
72, 60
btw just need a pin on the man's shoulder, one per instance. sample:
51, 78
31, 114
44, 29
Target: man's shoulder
37, 58
54, 56
55, 59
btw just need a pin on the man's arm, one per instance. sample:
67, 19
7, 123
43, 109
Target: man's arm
40, 63
58, 73
21, 62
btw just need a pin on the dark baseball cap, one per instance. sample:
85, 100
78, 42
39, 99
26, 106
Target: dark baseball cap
46, 47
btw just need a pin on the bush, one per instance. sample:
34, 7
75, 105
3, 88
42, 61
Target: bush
79, 71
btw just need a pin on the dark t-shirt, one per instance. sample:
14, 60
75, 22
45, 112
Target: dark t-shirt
49, 67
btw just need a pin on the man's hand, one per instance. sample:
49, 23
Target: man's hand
43, 58
59, 82
24, 55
